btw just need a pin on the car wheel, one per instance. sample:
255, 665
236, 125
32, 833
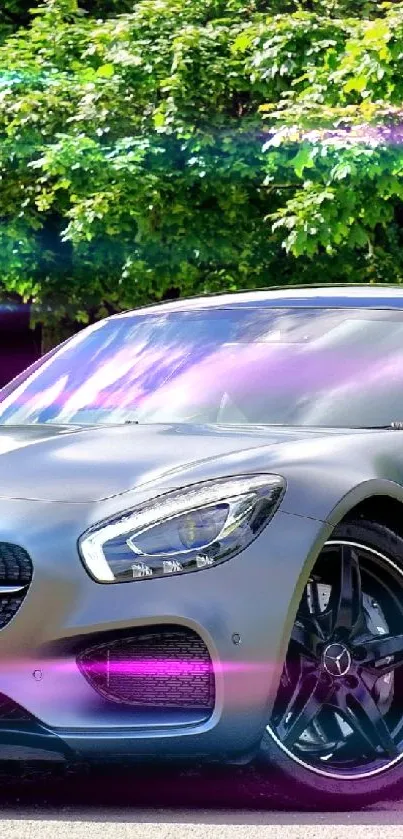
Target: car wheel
335, 736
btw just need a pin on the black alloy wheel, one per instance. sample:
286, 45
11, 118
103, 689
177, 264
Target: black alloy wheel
337, 722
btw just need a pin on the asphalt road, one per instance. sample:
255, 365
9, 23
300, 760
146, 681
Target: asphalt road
164, 804
188, 826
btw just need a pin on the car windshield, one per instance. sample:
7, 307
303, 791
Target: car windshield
283, 366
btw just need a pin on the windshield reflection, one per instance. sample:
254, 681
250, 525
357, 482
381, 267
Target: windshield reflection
324, 367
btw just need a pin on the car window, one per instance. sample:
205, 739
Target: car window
293, 366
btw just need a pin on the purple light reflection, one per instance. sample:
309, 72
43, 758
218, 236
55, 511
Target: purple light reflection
319, 367
145, 667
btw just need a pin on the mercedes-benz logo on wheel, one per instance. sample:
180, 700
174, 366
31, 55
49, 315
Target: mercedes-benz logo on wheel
336, 660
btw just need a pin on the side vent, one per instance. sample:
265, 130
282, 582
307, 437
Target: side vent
164, 667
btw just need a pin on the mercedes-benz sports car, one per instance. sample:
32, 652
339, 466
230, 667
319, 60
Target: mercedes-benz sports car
201, 540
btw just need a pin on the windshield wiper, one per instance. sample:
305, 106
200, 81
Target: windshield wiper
396, 425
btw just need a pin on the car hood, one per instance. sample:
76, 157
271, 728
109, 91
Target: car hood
84, 464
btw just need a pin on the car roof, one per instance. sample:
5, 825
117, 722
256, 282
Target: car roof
318, 296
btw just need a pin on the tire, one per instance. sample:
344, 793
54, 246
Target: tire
316, 782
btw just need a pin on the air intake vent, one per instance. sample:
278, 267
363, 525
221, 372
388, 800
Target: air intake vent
15, 579
165, 667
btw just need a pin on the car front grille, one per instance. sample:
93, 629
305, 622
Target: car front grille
15, 579
163, 667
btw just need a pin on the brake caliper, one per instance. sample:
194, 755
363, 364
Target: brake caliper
376, 623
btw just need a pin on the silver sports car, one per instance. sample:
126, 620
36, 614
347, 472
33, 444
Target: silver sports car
201, 540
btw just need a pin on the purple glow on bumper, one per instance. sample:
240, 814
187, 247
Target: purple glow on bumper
153, 667
139, 668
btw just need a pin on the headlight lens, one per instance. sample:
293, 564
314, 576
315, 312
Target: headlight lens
185, 530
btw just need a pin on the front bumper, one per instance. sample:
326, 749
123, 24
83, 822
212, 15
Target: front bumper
253, 596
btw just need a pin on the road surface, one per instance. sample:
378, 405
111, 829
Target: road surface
116, 804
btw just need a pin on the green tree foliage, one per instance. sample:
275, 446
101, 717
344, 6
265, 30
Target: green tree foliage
174, 147
17, 13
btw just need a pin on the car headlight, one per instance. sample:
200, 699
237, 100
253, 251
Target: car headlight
185, 530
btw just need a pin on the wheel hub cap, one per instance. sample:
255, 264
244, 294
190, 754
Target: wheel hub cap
336, 660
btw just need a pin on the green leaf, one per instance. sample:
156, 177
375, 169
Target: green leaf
106, 71
303, 160
242, 43
266, 107
358, 83
378, 30
159, 119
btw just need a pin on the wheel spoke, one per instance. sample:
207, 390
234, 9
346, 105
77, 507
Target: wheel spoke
306, 639
305, 703
346, 601
366, 720
383, 654
309, 612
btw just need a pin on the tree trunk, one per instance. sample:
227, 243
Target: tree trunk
55, 333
